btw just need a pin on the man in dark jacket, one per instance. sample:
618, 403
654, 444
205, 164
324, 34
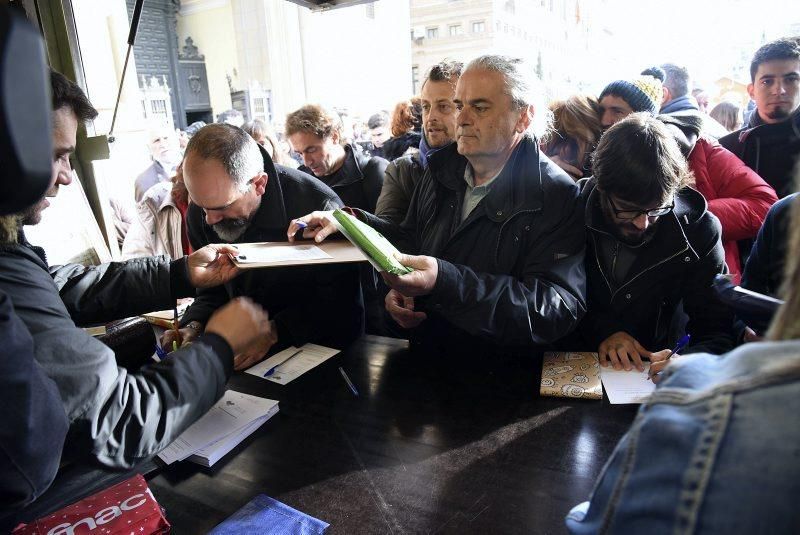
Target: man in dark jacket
652, 245
438, 130
770, 142
118, 417
239, 196
497, 222
34, 422
316, 134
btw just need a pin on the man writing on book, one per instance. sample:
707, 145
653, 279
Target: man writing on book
239, 196
116, 416
652, 246
496, 224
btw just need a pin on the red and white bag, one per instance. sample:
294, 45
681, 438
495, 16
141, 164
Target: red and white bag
126, 508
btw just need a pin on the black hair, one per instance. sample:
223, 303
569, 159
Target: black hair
639, 161
784, 48
66, 93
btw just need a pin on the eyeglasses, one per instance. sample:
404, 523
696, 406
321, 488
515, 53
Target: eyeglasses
633, 214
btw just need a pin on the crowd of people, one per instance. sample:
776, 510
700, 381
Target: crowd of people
597, 226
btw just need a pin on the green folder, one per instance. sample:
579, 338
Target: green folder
377, 249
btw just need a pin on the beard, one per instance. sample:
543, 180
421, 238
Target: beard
230, 230
778, 113
632, 236
32, 215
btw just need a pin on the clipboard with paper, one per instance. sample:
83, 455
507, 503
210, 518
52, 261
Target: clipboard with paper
379, 251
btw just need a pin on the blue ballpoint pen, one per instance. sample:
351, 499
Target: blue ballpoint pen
160, 352
347, 380
272, 370
683, 342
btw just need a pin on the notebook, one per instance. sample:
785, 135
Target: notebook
567, 374
378, 250
232, 419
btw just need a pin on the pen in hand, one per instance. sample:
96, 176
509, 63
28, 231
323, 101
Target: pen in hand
683, 342
270, 371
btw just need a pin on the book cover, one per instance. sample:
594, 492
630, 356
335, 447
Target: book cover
567, 374
379, 251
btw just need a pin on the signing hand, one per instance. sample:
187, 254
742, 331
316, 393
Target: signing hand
401, 309
658, 361
211, 265
318, 225
620, 349
420, 281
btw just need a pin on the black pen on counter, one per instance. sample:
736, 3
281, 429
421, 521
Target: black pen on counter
347, 380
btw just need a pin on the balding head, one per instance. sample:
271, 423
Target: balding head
232, 147
224, 174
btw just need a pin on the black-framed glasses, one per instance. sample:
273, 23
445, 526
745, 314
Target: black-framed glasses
633, 214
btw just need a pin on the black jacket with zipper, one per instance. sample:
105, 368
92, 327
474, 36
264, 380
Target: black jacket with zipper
293, 295
771, 150
511, 274
677, 265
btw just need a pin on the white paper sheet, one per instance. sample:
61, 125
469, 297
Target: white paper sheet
626, 386
280, 253
312, 355
230, 414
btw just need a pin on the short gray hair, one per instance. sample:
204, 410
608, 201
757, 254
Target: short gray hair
677, 79
232, 147
521, 85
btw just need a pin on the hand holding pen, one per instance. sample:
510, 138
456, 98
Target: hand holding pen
657, 366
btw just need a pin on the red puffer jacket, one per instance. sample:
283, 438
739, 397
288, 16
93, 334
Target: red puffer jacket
735, 193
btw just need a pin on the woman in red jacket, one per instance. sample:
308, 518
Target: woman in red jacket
735, 193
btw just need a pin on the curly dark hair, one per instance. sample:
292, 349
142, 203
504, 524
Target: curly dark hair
784, 48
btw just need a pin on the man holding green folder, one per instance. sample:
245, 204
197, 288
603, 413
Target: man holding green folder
496, 223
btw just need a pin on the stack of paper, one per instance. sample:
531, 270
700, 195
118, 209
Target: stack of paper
232, 419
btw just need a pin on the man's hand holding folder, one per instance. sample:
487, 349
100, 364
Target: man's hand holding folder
418, 280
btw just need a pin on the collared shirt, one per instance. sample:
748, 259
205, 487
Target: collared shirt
474, 194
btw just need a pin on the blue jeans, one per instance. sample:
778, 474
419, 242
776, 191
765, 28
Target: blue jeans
715, 450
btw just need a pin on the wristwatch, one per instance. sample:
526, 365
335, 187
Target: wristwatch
194, 325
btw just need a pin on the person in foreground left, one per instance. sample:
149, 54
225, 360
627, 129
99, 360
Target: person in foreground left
117, 417
34, 423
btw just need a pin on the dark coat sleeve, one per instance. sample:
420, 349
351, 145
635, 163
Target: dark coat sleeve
398, 187
34, 422
96, 294
764, 269
710, 321
207, 300
373, 180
